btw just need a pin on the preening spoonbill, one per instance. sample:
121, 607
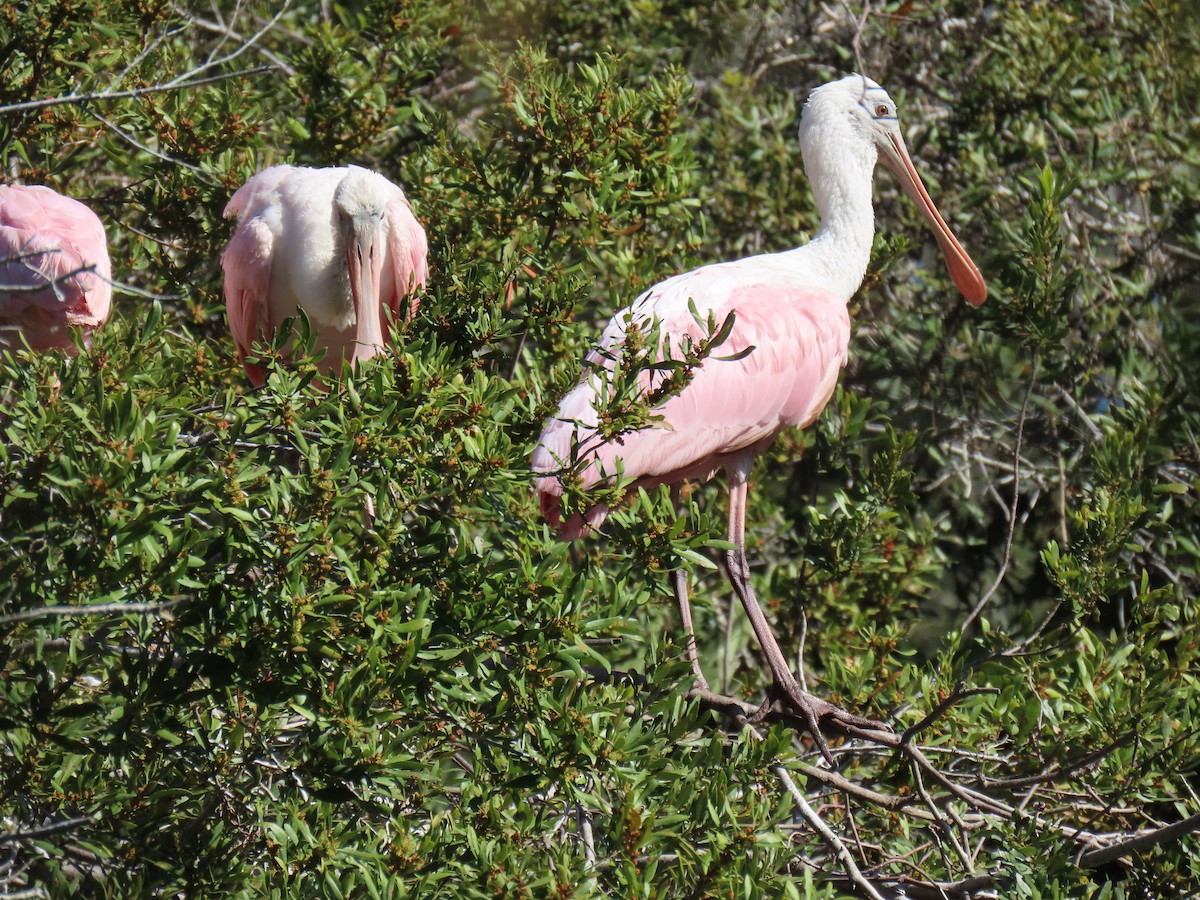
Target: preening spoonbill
790, 308
54, 268
340, 243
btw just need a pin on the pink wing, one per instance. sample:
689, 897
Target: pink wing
410, 255
800, 339
247, 265
46, 240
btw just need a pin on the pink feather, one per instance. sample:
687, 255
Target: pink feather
288, 253
55, 272
799, 338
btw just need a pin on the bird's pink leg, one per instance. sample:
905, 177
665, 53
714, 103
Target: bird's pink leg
679, 585
809, 708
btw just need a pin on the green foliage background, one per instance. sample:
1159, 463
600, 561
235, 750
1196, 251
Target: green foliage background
218, 676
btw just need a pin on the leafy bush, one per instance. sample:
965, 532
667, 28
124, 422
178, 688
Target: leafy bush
315, 640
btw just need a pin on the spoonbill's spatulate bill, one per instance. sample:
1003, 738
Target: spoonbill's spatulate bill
55, 273
341, 244
790, 308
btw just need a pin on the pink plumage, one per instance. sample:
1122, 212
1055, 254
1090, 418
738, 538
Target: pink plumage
791, 324
799, 338
55, 272
340, 243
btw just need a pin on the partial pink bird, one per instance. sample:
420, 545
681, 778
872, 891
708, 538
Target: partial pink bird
342, 244
55, 273
777, 369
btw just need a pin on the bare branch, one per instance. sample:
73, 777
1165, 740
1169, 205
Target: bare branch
95, 609
47, 282
242, 48
95, 645
856, 41
228, 31
43, 830
959, 693
109, 96
1012, 512
840, 850
1095, 858
157, 154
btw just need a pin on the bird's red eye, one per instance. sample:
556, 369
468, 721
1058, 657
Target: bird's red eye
881, 110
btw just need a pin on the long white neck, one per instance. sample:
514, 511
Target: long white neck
840, 164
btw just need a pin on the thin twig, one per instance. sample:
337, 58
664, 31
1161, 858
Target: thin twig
95, 609
839, 848
856, 40
157, 154
801, 677
95, 645
1061, 771
43, 830
1012, 513
1095, 858
226, 30
959, 693
246, 45
107, 96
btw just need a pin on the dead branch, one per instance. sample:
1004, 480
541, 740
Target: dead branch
94, 609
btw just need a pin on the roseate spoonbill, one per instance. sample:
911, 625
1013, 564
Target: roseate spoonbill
780, 361
340, 243
54, 268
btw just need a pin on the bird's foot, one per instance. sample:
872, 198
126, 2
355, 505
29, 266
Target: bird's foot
812, 711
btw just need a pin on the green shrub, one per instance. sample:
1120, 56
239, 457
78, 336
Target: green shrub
316, 641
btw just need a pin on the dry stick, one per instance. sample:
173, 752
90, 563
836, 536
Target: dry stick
1157, 755
24, 894
987, 807
1092, 427
585, 830
227, 31
43, 830
859, 25
46, 282
99, 96
1012, 513
887, 801
95, 645
1095, 858
944, 827
850, 817
242, 48
157, 154
95, 609
726, 664
1061, 500
959, 693
1013, 784
940, 890
800, 651
840, 850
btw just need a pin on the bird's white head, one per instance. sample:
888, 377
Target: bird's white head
856, 116
854, 113
361, 195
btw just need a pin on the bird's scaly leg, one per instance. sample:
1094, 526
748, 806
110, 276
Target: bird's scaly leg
680, 587
810, 709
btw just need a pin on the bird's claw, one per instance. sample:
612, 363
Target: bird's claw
812, 711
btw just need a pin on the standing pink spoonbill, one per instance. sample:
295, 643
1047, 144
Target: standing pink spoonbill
778, 366
341, 244
54, 269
